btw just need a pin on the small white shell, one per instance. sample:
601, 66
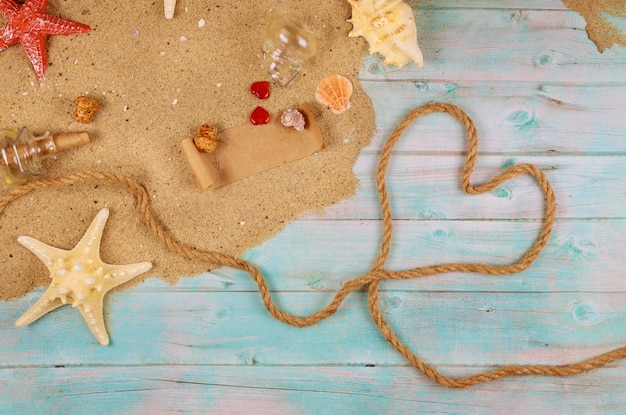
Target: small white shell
169, 6
334, 92
293, 118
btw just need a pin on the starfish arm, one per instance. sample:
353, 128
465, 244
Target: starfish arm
119, 274
7, 39
46, 253
48, 302
90, 242
93, 315
53, 25
35, 48
8, 7
37, 5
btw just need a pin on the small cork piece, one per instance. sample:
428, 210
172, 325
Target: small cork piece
206, 140
86, 107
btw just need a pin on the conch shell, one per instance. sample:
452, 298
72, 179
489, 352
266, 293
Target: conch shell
334, 92
389, 28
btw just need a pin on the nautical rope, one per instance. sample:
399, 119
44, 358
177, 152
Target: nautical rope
378, 273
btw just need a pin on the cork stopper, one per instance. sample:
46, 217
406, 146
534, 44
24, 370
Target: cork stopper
86, 107
66, 141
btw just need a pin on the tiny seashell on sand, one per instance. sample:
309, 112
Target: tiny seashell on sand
293, 118
168, 7
334, 92
206, 140
389, 28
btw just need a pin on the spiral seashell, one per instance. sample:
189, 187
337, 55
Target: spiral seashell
293, 118
334, 92
389, 28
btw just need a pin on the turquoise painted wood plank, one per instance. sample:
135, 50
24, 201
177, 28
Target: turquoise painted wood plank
296, 390
582, 255
519, 117
492, 44
585, 255
208, 328
487, 4
429, 187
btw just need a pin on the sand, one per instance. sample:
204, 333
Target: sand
157, 81
599, 28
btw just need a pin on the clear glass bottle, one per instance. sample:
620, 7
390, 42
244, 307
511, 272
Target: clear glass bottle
21, 154
288, 44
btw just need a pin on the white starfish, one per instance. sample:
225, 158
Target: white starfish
169, 6
79, 277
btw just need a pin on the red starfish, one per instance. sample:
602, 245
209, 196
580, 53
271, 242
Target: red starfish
29, 25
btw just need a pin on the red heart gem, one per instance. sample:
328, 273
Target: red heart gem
259, 116
260, 89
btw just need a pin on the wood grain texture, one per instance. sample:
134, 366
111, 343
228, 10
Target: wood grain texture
539, 93
210, 328
296, 390
496, 44
425, 187
511, 117
487, 4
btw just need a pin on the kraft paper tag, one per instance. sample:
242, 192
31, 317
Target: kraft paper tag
249, 149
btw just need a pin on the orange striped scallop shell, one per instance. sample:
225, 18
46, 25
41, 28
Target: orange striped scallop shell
334, 92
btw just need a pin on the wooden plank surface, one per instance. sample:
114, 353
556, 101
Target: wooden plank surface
210, 328
511, 117
426, 187
500, 44
539, 93
297, 390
